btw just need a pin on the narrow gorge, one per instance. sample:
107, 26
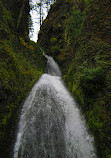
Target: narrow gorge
47, 112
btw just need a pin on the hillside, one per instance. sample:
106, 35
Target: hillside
21, 64
77, 34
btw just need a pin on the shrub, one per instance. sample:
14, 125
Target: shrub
53, 40
92, 80
75, 23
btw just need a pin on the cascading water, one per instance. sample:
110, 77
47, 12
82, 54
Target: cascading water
51, 125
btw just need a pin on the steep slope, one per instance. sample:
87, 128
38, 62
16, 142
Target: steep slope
21, 63
77, 34
52, 33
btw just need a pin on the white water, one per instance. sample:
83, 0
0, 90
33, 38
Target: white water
51, 125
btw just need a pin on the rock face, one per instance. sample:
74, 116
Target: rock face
52, 32
21, 64
98, 20
77, 34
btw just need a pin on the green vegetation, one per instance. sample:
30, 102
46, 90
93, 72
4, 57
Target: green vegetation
89, 80
75, 24
21, 64
77, 34
83, 51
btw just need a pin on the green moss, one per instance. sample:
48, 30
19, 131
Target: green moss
53, 40
55, 49
21, 64
83, 43
89, 79
75, 24
92, 80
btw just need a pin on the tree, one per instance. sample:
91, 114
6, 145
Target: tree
41, 7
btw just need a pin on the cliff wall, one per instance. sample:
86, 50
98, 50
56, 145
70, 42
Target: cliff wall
77, 34
21, 64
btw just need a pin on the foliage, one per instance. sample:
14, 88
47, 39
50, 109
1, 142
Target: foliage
92, 80
84, 46
21, 64
53, 40
88, 79
39, 6
75, 24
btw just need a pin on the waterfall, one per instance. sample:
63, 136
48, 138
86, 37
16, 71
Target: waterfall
51, 125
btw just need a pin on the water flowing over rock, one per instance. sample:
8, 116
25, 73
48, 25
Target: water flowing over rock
51, 125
